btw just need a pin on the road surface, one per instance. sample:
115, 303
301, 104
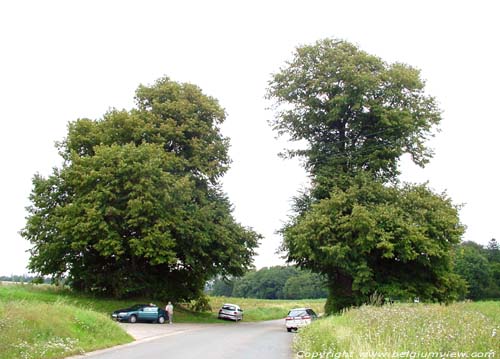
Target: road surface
203, 341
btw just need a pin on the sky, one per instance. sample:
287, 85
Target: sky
64, 60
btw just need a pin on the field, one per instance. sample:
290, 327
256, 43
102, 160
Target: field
262, 309
43, 321
254, 309
405, 331
36, 329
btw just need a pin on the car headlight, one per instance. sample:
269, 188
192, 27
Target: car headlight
122, 314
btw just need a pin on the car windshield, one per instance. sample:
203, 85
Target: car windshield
297, 313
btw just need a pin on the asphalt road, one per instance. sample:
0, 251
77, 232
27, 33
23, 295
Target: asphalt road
196, 341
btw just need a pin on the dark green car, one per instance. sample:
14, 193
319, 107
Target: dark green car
141, 313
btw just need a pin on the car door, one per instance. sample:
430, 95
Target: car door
148, 314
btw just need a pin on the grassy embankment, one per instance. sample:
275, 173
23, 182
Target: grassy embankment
405, 331
254, 309
41, 328
44, 321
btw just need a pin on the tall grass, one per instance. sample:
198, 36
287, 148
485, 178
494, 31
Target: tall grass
33, 329
405, 330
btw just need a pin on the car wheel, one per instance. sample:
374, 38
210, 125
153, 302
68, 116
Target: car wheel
161, 320
288, 330
132, 319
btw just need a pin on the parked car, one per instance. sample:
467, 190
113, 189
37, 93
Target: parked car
141, 313
230, 311
299, 317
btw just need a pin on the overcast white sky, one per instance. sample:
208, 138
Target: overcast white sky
62, 60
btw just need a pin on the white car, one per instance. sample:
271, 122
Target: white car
299, 317
230, 311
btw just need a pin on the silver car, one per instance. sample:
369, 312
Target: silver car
230, 311
299, 317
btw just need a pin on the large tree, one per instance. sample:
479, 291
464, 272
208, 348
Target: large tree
472, 265
353, 116
480, 267
136, 208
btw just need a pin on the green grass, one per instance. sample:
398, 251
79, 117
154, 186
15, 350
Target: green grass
34, 329
263, 309
405, 330
254, 309
44, 321
49, 294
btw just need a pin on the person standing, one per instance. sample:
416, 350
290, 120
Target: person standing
170, 310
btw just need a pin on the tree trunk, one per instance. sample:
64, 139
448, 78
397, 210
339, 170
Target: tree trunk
340, 294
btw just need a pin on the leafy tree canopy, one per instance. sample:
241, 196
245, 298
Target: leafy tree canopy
493, 250
266, 283
354, 111
480, 268
136, 208
354, 116
474, 268
375, 238
278, 282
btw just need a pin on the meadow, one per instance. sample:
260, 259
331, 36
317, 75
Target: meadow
44, 321
405, 331
254, 309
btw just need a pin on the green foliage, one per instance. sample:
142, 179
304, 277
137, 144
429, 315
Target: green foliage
474, 268
357, 115
354, 111
24, 278
201, 304
372, 237
278, 282
137, 209
266, 283
480, 267
222, 287
493, 251
305, 285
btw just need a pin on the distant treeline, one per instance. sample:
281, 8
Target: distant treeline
24, 279
278, 282
480, 267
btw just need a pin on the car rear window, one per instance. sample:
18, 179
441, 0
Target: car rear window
311, 312
228, 307
297, 313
